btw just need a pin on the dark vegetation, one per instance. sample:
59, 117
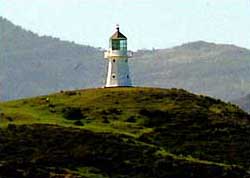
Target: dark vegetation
124, 133
49, 151
72, 113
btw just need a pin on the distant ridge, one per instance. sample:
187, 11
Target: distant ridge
243, 102
203, 45
31, 65
218, 70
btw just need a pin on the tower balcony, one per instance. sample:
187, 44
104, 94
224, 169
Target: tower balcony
117, 54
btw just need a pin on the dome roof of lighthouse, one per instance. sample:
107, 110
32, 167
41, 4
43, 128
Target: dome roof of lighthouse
118, 34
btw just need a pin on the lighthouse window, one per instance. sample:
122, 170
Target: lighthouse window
113, 76
113, 60
119, 44
127, 76
115, 44
123, 45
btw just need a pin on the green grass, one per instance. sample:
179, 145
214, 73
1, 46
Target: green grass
90, 172
95, 104
189, 158
185, 127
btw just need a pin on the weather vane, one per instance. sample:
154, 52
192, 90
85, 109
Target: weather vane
117, 27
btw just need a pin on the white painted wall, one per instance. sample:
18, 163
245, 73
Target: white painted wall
118, 72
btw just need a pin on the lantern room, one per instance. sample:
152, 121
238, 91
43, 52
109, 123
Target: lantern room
118, 41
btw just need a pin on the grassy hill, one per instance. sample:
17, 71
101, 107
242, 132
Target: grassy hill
124, 132
32, 65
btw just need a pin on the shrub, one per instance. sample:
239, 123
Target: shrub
9, 118
131, 119
105, 120
78, 123
11, 127
111, 111
70, 93
153, 113
114, 111
51, 105
155, 117
72, 113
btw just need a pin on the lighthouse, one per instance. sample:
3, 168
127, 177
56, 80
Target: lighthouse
117, 56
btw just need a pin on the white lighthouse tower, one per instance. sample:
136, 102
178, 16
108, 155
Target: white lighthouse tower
117, 55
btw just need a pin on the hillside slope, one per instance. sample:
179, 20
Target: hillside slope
213, 69
243, 102
31, 65
124, 132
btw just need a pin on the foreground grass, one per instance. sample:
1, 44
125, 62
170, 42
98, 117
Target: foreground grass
61, 152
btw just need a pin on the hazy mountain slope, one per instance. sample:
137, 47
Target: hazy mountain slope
243, 102
124, 132
218, 70
32, 65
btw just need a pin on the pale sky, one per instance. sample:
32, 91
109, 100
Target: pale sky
146, 23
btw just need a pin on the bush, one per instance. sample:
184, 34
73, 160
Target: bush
70, 93
155, 117
72, 113
11, 127
105, 120
114, 111
153, 113
78, 123
131, 119
9, 118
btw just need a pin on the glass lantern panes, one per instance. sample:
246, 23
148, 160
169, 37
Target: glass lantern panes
123, 45
119, 44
